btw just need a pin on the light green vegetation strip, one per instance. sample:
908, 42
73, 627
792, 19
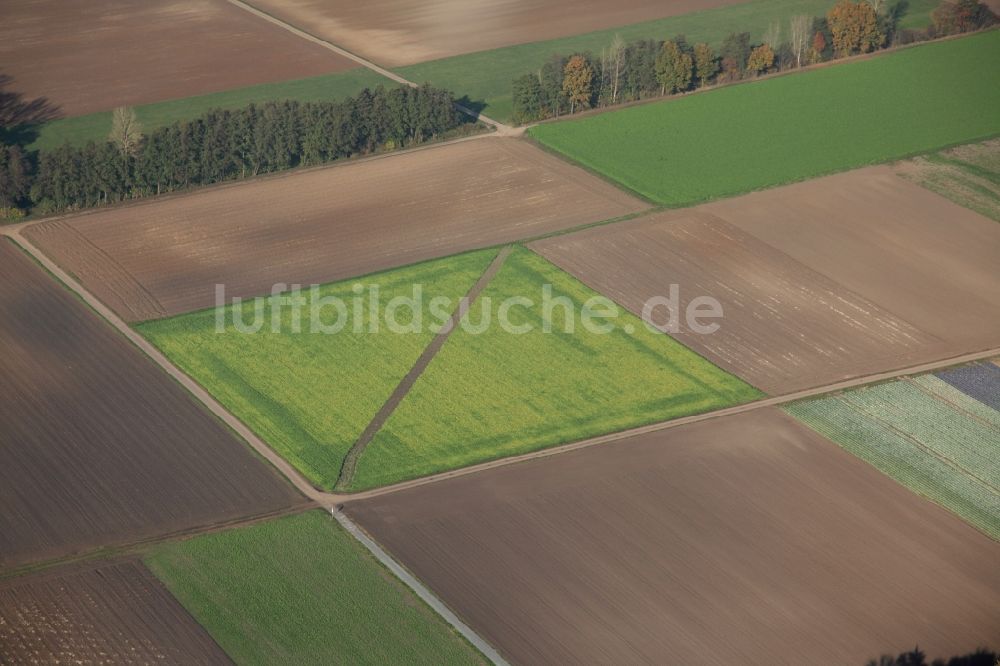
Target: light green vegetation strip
97, 126
486, 76
496, 393
925, 434
300, 590
968, 175
765, 133
310, 395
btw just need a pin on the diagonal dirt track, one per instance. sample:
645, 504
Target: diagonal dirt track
351, 459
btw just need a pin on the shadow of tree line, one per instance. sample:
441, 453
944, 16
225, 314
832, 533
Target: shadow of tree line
20, 118
916, 657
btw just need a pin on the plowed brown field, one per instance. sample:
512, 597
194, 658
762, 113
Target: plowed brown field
97, 446
113, 614
401, 32
165, 257
819, 282
746, 539
94, 55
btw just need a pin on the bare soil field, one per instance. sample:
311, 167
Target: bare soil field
97, 446
87, 56
113, 614
810, 276
401, 32
748, 539
165, 257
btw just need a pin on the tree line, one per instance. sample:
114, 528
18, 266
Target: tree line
625, 72
219, 145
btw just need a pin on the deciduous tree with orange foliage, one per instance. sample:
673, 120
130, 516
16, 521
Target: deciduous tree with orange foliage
578, 82
855, 28
761, 60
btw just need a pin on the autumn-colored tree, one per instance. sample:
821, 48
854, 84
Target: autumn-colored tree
952, 18
706, 65
674, 68
578, 82
815, 54
854, 27
761, 60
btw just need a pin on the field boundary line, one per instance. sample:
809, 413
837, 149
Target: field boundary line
950, 403
365, 62
349, 467
773, 401
193, 387
418, 588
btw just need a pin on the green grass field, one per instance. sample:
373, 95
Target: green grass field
926, 435
310, 395
496, 394
486, 76
760, 134
300, 590
96, 126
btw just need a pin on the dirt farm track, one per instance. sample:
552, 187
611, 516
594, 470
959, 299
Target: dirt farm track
97, 446
745, 539
165, 257
94, 55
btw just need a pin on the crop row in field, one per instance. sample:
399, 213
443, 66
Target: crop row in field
309, 394
925, 434
790, 128
980, 381
486, 76
301, 590
114, 613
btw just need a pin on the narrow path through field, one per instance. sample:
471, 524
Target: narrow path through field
502, 129
351, 459
418, 588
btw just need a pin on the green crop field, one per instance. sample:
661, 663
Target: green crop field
97, 126
925, 434
497, 393
300, 590
486, 76
760, 134
310, 394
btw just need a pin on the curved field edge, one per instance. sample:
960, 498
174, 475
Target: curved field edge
485, 76
765, 133
78, 130
309, 395
497, 394
302, 590
922, 434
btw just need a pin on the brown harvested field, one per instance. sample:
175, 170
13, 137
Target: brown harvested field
165, 257
402, 32
97, 446
747, 539
819, 282
113, 614
93, 55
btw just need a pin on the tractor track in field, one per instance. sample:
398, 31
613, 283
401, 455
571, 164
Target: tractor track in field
404, 386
